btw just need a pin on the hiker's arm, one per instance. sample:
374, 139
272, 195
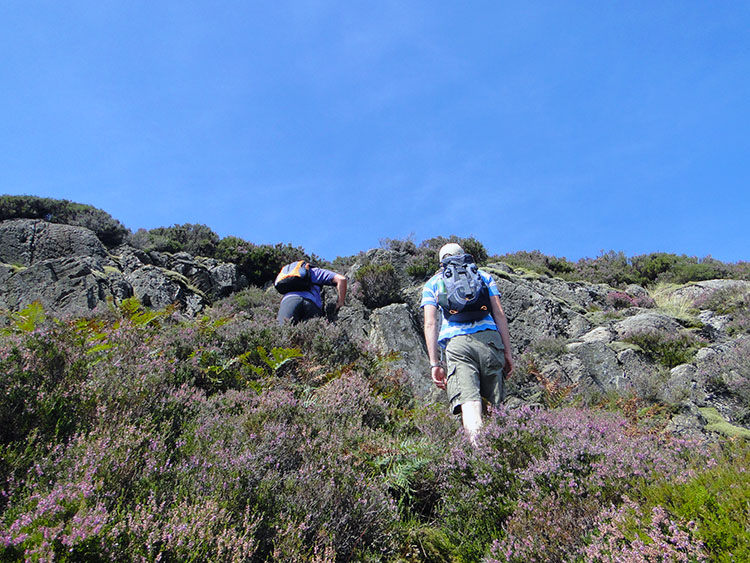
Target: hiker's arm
502, 326
340, 283
437, 372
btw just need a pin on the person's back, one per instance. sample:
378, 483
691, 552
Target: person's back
302, 304
476, 343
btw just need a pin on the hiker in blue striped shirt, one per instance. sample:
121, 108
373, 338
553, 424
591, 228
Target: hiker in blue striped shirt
477, 352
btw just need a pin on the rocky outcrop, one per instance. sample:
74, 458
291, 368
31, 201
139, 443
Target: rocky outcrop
74, 285
25, 242
395, 330
571, 343
70, 272
545, 308
569, 339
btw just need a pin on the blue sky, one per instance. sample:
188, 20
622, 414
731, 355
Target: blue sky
566, 127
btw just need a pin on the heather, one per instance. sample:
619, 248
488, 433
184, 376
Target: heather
259, 263
618, 270
110, 231
135, 435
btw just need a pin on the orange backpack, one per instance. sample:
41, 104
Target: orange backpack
294, 277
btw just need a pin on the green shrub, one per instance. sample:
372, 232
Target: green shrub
670, 350
150, 241
469, 244
670, 268
377, 285
739, 271
423, 264
537, 262
616, 269
259, 263
107, 229
717, 500
398, 245
612, 268
424, 261
198, 240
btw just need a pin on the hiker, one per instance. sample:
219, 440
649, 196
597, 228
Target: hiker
301, 284
476, 339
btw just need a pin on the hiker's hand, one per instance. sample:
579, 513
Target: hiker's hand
438, 376
509, 366
332, 312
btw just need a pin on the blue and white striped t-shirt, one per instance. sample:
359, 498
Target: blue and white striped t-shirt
449, 329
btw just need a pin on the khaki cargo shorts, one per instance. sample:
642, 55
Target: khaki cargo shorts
475, 365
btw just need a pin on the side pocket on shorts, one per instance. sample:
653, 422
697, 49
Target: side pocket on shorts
497, 356
453, 389
450, 372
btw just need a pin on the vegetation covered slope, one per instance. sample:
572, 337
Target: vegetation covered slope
143, 436
260, 262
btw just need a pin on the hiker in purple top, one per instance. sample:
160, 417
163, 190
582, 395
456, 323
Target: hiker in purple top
306, 304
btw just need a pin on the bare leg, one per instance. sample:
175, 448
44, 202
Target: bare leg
471, 416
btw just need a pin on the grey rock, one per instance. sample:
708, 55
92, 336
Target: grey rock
684, 383
195, 272
67, 286
687, 423
599, 369
26, 242
129, 259
536, 312
646, 322
226, 279
393, 329
636, 290
694, 291
158, 288
598, 334
634, 363
714, 326
639, 375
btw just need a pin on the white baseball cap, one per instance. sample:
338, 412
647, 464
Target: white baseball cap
450, 249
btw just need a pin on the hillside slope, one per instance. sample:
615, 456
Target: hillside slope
152, 409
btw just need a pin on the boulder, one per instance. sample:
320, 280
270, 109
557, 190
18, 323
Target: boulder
25, 242
195, 272
226, 278
595, 368
68, 286
214, 278
394, 329
646, 322
695, 291
536, 311
685, 382
129, 259
158, 288
598, 334
687, 423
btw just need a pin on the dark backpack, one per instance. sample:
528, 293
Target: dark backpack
463, 296
294, 277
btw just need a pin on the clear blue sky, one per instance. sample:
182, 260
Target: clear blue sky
566, 127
